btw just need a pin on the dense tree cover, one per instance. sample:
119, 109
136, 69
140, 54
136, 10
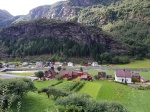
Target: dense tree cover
83, 103
136, 34
13, 89
63, 48
39, 74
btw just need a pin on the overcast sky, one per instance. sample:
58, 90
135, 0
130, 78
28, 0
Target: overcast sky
22, 7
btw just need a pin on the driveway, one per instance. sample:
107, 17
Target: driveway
8, 76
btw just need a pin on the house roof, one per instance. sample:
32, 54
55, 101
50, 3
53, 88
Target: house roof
135, 74
84, 76
63, 72
123, 73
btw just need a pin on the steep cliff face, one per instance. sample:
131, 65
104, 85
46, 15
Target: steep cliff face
4, 15
59, 30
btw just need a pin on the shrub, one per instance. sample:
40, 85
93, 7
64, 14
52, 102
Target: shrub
79, 87
56, 93
97, 77
75, 84
59, 77
87, 104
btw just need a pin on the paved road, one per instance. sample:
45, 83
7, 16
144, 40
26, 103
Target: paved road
8, 76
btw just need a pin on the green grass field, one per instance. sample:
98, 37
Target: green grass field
91, 89
95, 72
135, 64
133, 100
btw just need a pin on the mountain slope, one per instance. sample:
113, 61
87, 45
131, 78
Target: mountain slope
44, 36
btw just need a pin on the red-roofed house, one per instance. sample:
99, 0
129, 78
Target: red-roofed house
123, 75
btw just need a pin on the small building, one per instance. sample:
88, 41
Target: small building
94, 64
50, 74
5, 64
123, 75
86, 76
11, 66
39, 64
137, 76
70, 64
25, 63
102, 74
68, 74
57, 64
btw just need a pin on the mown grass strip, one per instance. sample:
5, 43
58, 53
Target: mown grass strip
91, 89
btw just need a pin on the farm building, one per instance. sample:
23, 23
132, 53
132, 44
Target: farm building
25, 63
94, 64
123, 75
57, 64
70, 64
39, 64
50, 74
137, 76
11, 66
102, 74
70, 74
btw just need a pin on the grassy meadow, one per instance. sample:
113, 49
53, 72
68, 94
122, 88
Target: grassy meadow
135, 64
134, 100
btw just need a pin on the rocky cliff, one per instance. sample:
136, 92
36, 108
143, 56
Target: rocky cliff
58, 29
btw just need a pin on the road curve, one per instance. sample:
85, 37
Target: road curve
8, 76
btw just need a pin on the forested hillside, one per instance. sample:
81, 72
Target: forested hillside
66, 39
125, 22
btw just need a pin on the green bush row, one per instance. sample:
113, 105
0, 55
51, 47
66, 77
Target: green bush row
88, 104
57, 83
74, 85
79, 87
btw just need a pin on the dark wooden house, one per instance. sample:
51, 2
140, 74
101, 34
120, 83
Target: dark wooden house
50, 74
137, 76
102, 74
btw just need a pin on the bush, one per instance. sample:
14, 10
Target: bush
79, 87
59, 77
57, 83
87, 104
97, 77
56, 93
75, 84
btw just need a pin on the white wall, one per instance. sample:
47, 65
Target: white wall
119, 79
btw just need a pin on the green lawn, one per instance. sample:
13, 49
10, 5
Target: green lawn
24, 74
42, 84
34, 102
95, 72
91, 89
135, 64
133, 100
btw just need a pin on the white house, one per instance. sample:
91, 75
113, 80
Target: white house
39, 64
94, 64
70, 64
123, 75
11, 66
25, 63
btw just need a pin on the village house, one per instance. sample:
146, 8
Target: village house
11, 66
50, 74
57, 64
70, 64
39, 64
94, 64
137, 76
25, 63
102, 74
123, 75
70, 74
5, 64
